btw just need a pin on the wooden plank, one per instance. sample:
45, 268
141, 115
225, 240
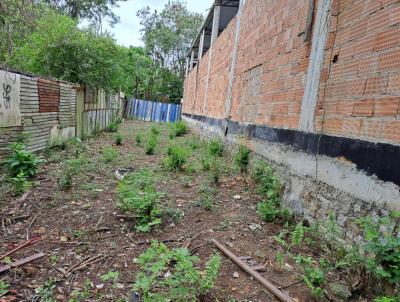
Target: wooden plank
21, 262
279, 294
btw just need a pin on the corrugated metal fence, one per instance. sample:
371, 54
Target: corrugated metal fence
153, 111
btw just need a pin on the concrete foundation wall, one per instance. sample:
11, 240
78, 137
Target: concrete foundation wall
315, 185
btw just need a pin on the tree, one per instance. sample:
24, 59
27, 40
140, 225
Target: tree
168, 35
93, 10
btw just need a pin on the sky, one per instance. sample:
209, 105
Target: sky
127, 32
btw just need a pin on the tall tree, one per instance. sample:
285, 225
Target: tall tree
168, 34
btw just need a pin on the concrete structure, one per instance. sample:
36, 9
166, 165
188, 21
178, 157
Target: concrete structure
313, 87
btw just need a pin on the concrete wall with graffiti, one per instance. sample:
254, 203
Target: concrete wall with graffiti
47, 112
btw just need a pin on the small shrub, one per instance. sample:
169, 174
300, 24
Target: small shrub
151, 144
177, 157
242, 157
173, 214
206, 197
268, 185
155, 130
65, 181
21, 184
118, 139
215, 170
171, 275
206, 163
22, 161
178, 129
138, 138
138, 196
314, 278
194, 143
109, 154
298, 234
113, 126
215, 147
268, 211
383, 246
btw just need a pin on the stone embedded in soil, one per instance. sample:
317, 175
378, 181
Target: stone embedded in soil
255, 227
235, 275
340, 291
237, 197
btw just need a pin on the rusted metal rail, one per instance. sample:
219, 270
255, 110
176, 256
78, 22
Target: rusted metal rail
274, 290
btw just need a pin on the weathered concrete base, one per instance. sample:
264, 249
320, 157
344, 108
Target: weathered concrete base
317, 185
59, 135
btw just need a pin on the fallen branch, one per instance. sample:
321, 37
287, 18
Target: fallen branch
20, 247
279, 294
21, 262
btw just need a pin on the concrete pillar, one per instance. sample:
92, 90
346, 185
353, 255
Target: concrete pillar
191, 60
215, 26
201, 47
319, 39
187, 67
228, 103
214, 37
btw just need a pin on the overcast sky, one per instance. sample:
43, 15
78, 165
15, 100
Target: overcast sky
127, 31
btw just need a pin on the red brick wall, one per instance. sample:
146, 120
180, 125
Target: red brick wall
359, 93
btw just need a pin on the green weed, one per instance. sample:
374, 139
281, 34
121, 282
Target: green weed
110, 276
46, 292
118, 139
138, 196
171, 275
139, 139
215, 147
4, 288
177, 157
151, 144
21, 184
242, 157
178, 129
109, 154
22, 161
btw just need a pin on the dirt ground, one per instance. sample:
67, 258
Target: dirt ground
84, 223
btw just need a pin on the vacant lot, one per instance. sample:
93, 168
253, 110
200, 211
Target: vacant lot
92, 234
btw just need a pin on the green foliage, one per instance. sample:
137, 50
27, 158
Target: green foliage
138, 138
109, 154
207, 195
168, 35
215, 147
65, 180
298, 234
151, 144
4, 288
171, 275
110, 276
314, 278
113, 126
206, 163
215, 170
194, 143
268, 211
118, 139
383, 246
22, 161
178, 128
46, 292
174, 214
177, 157
268, 184
242, 157
21, 184
387, 299
155, 130
139, 197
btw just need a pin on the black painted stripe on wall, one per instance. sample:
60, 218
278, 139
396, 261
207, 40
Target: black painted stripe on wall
382, 160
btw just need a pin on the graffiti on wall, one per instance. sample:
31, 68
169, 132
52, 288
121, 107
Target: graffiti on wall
9, 99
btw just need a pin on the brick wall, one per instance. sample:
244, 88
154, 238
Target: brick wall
359, 90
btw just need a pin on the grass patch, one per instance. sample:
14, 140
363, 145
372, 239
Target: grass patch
109, 154
178, 129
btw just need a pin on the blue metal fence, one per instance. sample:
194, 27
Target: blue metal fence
153, 111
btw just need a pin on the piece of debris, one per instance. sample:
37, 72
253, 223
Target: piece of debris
235, 275
63, 238
121, 173
253, 263
279, 294
135, 297
20, 247
237, 197
99, 286
255, 227
229, 244
21, 262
